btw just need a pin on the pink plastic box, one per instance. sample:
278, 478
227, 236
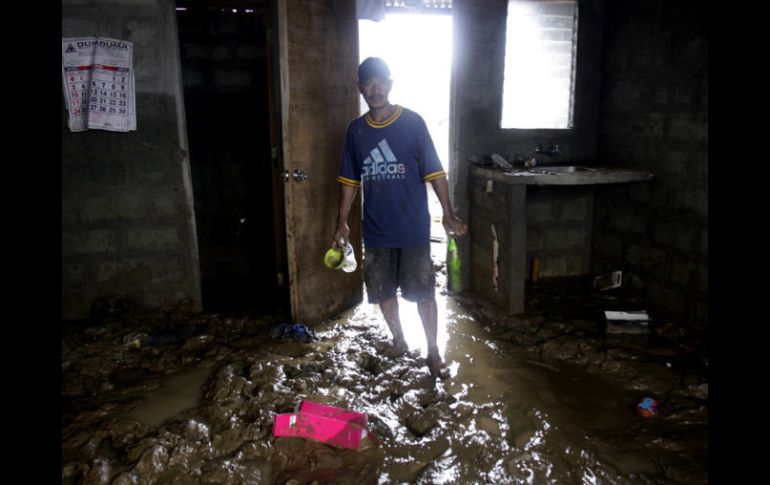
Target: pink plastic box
320, 422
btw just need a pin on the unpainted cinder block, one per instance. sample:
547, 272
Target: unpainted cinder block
155, 239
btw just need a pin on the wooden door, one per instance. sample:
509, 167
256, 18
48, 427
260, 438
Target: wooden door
318, 48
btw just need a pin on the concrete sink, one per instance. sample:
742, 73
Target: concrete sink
566, 175
500, 201
560, 170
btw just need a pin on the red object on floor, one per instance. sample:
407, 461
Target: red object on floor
320, 422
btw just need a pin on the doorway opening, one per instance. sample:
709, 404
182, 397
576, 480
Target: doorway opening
418, 50
417, 44
225, 59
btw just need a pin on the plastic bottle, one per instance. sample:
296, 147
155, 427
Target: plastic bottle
349, 263
453, 266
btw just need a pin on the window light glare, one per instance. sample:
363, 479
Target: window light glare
539, 64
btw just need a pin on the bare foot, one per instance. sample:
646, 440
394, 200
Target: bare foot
398, 349
437, 367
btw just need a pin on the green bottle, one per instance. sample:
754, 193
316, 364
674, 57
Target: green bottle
453, 266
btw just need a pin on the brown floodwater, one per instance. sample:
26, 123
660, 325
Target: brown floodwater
198, 407
511, 416
179, 392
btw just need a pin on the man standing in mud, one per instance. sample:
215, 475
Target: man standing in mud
389, 152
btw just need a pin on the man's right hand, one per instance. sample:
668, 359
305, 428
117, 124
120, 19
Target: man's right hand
347, 194
340, 239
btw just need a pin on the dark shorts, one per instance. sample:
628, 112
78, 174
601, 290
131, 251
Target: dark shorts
387, 269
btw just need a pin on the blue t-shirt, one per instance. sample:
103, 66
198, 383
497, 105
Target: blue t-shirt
392, 160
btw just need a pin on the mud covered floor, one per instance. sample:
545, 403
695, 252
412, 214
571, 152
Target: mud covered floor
546, 398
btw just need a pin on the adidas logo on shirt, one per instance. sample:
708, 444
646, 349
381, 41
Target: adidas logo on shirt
382, 164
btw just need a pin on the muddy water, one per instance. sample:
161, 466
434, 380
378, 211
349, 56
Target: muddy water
178, 393
184, 398
502, 417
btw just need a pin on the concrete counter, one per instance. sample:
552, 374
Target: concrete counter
564, 175
544, 212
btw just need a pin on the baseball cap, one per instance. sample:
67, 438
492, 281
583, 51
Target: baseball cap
373, 67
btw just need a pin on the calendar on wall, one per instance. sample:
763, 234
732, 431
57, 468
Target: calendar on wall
98, 78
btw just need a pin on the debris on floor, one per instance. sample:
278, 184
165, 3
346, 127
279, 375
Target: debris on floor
627, 322
297, 332
609, 281
545, 397
648, 407
320, 422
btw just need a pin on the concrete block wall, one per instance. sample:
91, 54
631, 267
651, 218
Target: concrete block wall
490, 277
222, 52
655, 116
558, 226
224, 75
224, 58
559, 222
479, 32
512, 224
128, 228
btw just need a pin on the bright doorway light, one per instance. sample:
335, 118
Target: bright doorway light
418, 50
